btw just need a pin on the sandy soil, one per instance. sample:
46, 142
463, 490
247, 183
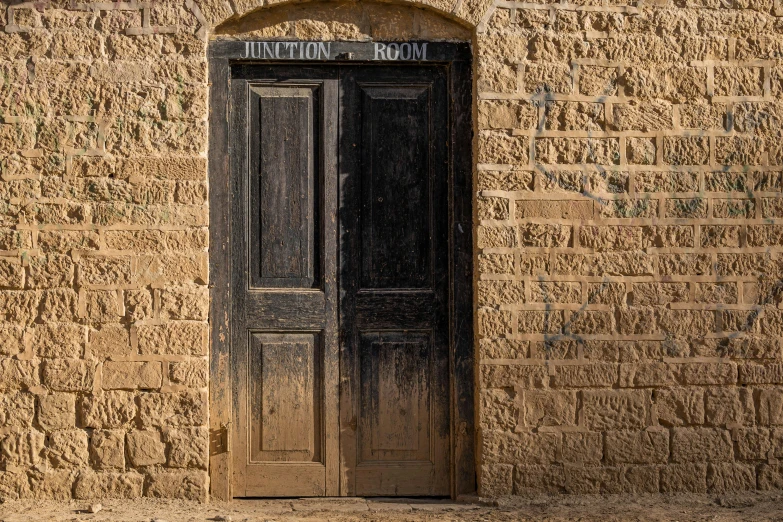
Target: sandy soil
749, 506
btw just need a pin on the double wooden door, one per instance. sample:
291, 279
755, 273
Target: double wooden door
340, 280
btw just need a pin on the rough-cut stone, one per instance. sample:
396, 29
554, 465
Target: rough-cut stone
145, 448
67, 449
57, 411
111, 409
108, 485
615, 409
131, 375
645, 447
188, 485
701, 444
107, 449
186, 447
188, 408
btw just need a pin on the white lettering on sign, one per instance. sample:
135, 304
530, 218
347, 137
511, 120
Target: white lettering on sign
323, 51
403, 51
288, 50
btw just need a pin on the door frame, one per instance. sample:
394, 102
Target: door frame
457, 58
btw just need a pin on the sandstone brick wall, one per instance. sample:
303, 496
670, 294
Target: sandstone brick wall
103, 251
629, 177
627, 221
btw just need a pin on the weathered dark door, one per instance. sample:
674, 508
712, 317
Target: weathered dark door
340, 226
284, 321
394, 162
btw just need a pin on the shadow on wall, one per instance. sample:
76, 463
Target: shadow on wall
345, 21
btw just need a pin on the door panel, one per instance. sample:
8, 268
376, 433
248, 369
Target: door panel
285, 213
284, 317
395, 186
393, 309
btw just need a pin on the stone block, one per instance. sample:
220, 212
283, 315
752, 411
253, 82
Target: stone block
753, 443
181, 485
590, 322
185, 303
187, 447
701, 445
11, 340
549, 408
58, 305
50, 271
145, 448
708, 373
52, 485
522, 376
18, 375
174, 338
581, 448
615, 409
102, 306
13, 486
108, 485
684, 478
729, 407
67, 449
59, 340
107, 449
111, 340
770, 407
679, 406
519, 448
21, 448
188, 408
68, 375
730, 478
111, 409
57, 411
501, 148
631, 447
493, 323
585, 376
644, 374
193, 373
131, 375
537, 480
17, 410
496, 480
491, 293
539, 321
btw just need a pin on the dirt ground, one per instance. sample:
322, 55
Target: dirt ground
749, 506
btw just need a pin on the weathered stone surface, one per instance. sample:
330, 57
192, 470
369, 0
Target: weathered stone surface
21, 448
193, 374
107, 485
701, 444
630, 447
549, 408
132, 375
145, 448
68, 375
188, 408
107, 449
52, 485
679, 406
188, 485
67, 449
17, 410
57, 411
615, 409
111, 409
684, 478
187, 447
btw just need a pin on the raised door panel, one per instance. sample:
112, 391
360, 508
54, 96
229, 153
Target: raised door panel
284, 170
395, 249
395, 405
284, 401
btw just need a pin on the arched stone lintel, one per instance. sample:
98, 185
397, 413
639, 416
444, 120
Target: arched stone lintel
469, 13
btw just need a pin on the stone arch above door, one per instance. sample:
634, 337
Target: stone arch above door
444, 19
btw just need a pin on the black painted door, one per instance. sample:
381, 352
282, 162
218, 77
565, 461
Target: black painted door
393, 166
340, 228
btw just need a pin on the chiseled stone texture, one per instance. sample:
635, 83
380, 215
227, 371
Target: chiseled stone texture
628, 248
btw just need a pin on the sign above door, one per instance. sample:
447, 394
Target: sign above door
299, 50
